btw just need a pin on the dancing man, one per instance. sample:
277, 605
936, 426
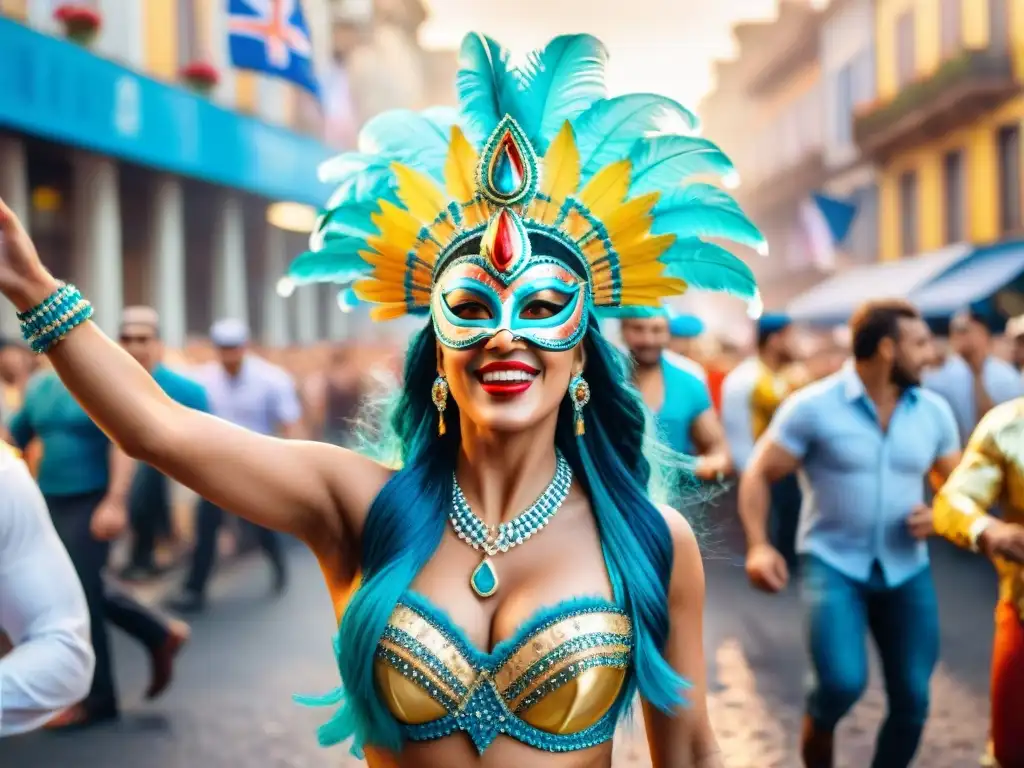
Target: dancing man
992, 472
863, 439
42, 609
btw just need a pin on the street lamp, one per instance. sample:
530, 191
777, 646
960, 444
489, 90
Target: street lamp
292, 217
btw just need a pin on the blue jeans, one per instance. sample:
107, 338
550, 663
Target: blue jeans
904, 622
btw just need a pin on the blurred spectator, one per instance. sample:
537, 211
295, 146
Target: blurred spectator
972, 379
332, 396
149, 502
684, 334
1015, 334
16, 366
248, 391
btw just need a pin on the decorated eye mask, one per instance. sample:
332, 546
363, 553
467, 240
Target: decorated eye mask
543, 304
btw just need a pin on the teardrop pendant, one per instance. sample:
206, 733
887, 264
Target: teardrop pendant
484, 580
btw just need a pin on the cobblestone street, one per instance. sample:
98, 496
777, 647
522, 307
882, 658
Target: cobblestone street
231, 703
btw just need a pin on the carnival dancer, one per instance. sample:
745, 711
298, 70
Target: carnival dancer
679, 399
863, 439
42, 609
991, 473
751, 393
470, 638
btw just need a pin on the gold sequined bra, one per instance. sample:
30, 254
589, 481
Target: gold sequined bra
555, 685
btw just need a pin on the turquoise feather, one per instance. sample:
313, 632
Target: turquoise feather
412, 138
336, 263
558, 83
485, 84
608, 130
687, 194
709, 267
663, 162
345, 221
693, 216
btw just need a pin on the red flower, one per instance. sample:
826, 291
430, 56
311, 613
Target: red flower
79, 17
201, 73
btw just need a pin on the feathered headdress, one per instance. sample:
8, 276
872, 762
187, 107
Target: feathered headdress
534, 149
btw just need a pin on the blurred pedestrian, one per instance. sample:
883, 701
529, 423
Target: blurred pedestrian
85, 480
751, 393
42, 609
685, 418
684, 332
248, 391
972, 379
149, 501
865, 438
1015, 334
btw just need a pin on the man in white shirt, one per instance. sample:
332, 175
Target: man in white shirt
42, 609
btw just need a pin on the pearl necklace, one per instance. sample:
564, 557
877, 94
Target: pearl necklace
492, 540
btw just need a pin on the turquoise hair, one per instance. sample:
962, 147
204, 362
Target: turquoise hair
611, 463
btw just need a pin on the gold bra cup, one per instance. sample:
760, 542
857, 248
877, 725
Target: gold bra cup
578, 704
406, 700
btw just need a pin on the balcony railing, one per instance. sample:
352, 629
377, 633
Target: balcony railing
951, 96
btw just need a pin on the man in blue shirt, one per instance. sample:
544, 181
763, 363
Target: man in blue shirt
149, 506
863, 440
680, 401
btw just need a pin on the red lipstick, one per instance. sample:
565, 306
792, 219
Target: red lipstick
506, 378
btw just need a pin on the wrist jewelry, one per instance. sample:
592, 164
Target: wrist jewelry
45, 324
977, 528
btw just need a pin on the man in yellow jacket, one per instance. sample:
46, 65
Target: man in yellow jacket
991, 473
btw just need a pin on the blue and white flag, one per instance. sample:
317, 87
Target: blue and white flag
272, 37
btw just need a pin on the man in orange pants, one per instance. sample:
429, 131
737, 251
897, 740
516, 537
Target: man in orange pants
992, 473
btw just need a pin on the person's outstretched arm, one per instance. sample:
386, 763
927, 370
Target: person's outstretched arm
316, 492
42, 609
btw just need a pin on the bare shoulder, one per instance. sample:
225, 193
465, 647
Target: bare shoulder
687, 581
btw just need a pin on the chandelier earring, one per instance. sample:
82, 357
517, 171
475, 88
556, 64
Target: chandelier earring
439, 394
579, 392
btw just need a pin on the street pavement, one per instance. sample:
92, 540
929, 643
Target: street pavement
231, 705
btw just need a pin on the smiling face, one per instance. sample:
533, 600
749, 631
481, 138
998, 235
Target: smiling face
508, 346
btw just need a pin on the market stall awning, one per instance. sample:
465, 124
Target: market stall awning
833, 301
988, 271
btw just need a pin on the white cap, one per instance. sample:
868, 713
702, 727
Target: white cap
140, 316
1015, 327
229, 332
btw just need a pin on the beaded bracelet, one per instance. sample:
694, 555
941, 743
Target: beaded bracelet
45, 324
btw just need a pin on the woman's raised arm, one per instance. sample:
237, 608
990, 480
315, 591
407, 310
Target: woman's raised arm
316, 492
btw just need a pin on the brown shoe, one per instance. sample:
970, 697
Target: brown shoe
162, 658
816, 746
81, 716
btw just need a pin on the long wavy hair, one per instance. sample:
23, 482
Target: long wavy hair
408, 518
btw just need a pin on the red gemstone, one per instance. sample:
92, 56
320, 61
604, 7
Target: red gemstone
504, 242
511, 149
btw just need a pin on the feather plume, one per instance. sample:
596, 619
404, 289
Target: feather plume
608, 130
561, 173
419, 193
338, 264
709, 267
663, 162
607, 189
484, 82
692, 216
460, 168
557, 83
408, 137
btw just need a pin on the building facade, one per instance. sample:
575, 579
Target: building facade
945, 128
767, 113
848, 84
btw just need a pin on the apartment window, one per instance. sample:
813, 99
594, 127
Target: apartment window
1008, 142
188, 32
998, 26
950, 28
905, 53
954, 197
862, 242
844, 105
908, 213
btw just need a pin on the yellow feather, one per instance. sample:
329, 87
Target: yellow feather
460, 168
397, 226
607, 189
420, 194
631, 221
443, 230
384, 312
648, 249
561, 173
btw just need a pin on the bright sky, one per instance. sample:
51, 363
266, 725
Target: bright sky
660, 46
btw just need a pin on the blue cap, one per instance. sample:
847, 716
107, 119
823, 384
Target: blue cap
773, 322
229, 333
685, 326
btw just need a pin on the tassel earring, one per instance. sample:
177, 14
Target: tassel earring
439, 394
579, 392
